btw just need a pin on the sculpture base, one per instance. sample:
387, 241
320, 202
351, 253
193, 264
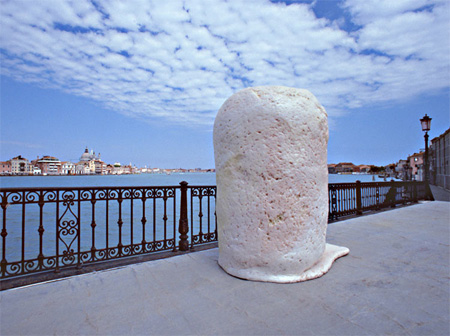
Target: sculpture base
332, 252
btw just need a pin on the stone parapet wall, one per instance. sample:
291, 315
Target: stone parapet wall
440, 160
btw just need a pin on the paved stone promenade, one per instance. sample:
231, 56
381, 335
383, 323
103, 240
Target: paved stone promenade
394, 282
440, 194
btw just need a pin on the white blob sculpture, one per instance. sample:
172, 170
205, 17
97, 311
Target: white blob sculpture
270, 147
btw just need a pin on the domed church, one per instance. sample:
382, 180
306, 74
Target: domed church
86, 156
90, 164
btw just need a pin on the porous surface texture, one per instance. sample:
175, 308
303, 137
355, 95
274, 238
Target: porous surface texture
270, 147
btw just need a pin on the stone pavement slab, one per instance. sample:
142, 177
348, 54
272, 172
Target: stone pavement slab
395, 281
440, 194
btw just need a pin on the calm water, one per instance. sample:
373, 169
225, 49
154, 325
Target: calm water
137, 180
108, 180
25, 221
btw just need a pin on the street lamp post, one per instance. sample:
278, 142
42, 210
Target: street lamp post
426, 124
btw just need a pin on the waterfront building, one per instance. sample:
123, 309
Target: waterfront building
82, 168
401, 169
21, 166
99, 167
127, 169
415, 166
390, 170
440, 160
346, 167
37, 171
331, 168
67, 168
48, 165
117, 168
86, 156
90, 164
109, 169
5, 167
364, 168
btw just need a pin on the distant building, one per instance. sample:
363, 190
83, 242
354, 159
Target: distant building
21, 166
415, 167
345, 167
5, 167
90, 164
364, 168
67, 168
401, 169
129, 169
332, 168
99, 167
117, 168
389, 170
37, 171
109, 169
48, 165
86, 156
440, 160
126, 169
82, 168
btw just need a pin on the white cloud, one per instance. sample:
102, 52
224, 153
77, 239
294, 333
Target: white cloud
364, 12
179, 60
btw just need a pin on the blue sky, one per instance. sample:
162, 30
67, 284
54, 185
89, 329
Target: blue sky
141, 81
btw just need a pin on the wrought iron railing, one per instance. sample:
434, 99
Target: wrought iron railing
203, 203
347, 199
54, 229
51, 229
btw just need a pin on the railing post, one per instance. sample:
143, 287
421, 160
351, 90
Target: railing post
394, 194
332, 194
358, 198
183, 227
3, 234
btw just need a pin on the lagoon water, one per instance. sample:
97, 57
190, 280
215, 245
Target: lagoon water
107, 180
138, 180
